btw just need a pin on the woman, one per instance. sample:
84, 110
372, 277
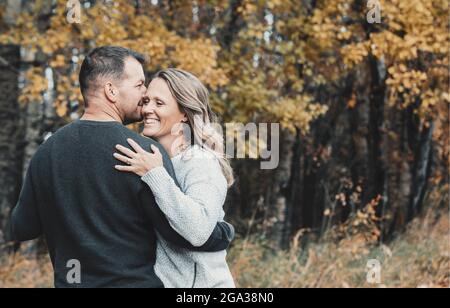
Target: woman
176, 100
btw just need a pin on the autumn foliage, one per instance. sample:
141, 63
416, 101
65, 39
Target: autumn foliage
363, 106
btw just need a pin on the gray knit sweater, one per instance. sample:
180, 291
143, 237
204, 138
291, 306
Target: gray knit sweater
193, 211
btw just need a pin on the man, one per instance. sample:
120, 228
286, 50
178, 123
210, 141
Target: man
92, 215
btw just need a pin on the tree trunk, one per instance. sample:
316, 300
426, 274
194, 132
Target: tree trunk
228, 33
278, 201
399, 169
293, 192
377, 167
359, 132
420, 170
13, 8
10, 133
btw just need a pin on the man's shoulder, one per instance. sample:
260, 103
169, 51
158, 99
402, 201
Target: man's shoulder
62, 132
117, 130
144, 142
50, 138
44, 149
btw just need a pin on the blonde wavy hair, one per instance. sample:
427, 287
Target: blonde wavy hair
192, 98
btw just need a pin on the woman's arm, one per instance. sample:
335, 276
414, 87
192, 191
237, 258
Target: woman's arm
219, 240
195, 211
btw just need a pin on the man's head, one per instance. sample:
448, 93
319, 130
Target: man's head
112, 80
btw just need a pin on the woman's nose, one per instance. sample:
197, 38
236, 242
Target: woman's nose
148, 108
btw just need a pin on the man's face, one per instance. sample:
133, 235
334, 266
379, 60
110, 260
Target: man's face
131, 89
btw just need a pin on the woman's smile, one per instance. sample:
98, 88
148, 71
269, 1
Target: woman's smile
151, 121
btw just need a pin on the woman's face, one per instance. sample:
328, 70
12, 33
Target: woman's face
160, 111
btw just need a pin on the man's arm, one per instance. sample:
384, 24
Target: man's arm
220, 238
25, 224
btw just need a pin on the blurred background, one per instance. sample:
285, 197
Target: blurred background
360, 88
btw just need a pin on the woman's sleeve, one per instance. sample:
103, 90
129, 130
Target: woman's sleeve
195, 212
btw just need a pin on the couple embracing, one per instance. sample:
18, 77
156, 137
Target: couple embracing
133, 210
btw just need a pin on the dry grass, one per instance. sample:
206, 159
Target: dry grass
418, 258
23, 271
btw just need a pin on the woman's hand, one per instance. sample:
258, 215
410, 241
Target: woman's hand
139, 161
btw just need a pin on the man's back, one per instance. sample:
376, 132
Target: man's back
88, 211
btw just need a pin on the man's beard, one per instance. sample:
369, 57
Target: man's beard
135, 117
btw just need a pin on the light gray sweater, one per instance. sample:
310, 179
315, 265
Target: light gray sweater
193, 211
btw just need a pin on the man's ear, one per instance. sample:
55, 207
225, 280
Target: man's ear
111, 92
